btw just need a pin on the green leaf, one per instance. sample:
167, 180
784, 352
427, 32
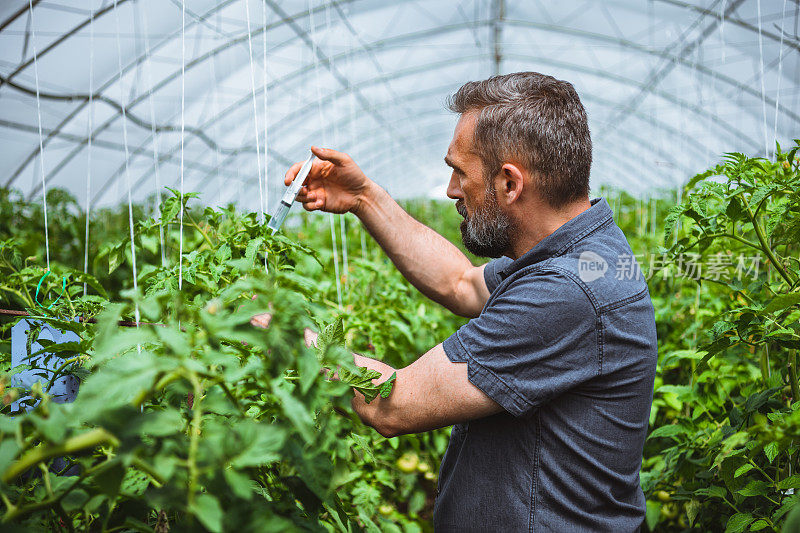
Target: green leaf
134, 483
297, 413
671, 430
755, 488
169, 208
792, 524
239, 483
738, 522
252, 248
385, 388
771, 450
332, 335
759, 524
745, 468
74, 500
791, 482
692, 509
208, 510
781, 302
653, 514
223, 253
714, 491
109, 479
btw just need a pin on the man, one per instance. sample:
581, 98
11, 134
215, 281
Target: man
549, 386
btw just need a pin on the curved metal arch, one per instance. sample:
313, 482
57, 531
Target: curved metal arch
110, 145
22, 66
98, 93
135, 63
736, 21
21, 11
197, 61
702, 69
725, 128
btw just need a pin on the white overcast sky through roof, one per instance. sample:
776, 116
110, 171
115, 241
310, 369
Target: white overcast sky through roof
669, 86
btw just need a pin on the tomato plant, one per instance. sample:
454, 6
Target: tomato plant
196, 418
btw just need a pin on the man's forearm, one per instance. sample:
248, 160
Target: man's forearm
429, 261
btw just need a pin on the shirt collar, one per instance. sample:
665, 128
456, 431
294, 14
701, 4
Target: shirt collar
564, 237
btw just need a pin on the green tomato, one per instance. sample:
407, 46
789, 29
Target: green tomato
386, 509
424, 467
408, 462
663, 496
760, 419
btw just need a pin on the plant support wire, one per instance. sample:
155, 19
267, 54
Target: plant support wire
315, 59
183, 129
127, 172
89, 146
41, 145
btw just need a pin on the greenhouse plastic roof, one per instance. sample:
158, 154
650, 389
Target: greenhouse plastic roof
668, 85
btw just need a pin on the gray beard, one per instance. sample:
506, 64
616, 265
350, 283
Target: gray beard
486, 232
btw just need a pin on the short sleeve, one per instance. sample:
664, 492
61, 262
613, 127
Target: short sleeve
535, 341
491, 274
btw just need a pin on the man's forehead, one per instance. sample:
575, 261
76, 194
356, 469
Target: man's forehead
462, 144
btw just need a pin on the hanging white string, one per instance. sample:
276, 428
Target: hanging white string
89, 144
722, 27
780, 75
763, 89
183, 129
354, 136
127, 169
343, 217
41, 143
315, 59
265, 205
255, 108
153, 132
215, 105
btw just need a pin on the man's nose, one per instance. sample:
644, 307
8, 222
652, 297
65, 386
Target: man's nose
453, 190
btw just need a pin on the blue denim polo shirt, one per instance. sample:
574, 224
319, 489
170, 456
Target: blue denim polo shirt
566, 344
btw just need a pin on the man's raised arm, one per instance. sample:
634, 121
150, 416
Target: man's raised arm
429, 261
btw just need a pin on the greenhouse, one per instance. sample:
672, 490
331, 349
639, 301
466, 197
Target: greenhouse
410, 266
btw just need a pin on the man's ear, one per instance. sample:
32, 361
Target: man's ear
511, 182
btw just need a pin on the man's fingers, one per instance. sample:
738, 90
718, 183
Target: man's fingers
291, 174
313, 206
326, 154
262, 320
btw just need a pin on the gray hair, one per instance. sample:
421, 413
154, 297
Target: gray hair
536, 120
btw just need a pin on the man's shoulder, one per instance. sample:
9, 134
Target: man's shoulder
601, 267
545, 287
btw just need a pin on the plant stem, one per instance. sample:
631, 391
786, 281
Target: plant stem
58, 371
765, 246
793, 375
764, 364
149, 470
197, 418
14, 511
197, 226
90, 439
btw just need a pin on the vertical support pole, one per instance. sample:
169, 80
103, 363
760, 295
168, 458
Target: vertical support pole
498, 14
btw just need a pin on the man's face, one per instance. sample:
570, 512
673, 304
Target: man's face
485, 229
